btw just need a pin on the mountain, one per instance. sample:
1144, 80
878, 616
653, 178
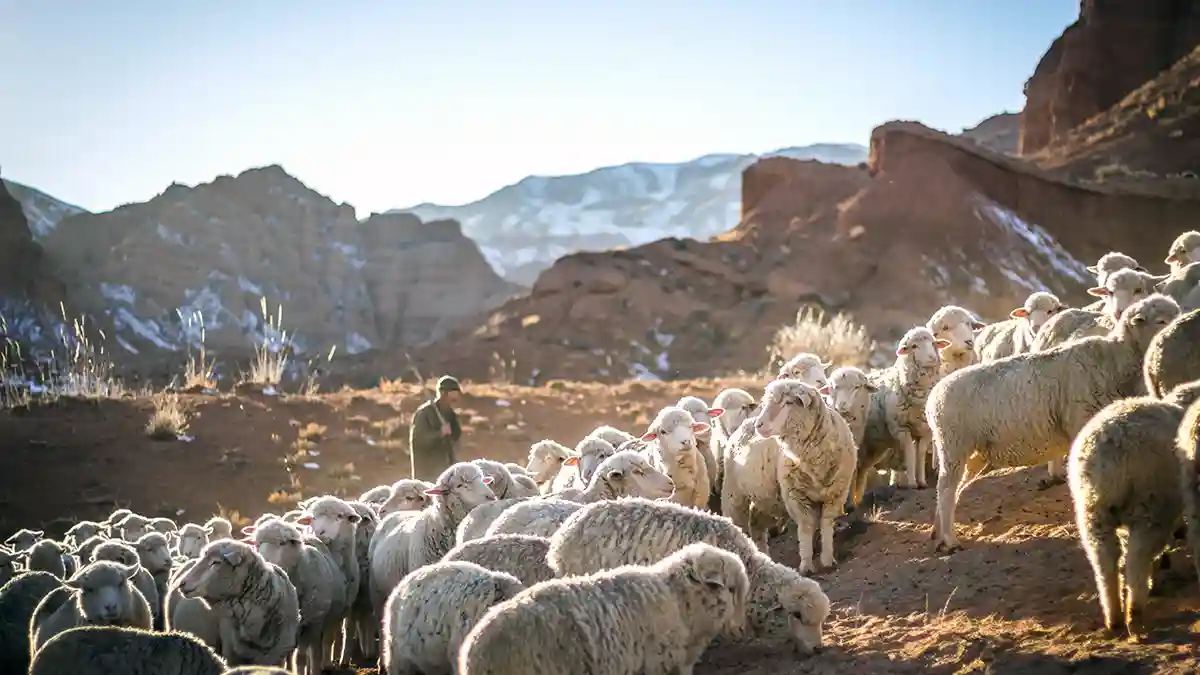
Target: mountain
42, 211
1001, 133
523, 228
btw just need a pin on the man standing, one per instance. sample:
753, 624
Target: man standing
435, 431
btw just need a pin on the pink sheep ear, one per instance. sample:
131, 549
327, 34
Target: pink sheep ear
1170, 259
487, 480
305, 519
249, 530
433, 491
824, 389
941, 344
901, 350
699, 428
978, 325
571, 461
1099, 291
649, 436
1019, 313
716, 412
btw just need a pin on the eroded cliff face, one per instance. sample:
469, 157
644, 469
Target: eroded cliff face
1113, 48
30, 290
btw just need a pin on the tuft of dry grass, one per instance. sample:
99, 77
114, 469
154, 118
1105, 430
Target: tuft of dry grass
839, 339
199, 371
78, 366
313, 431
168, 421
273, 353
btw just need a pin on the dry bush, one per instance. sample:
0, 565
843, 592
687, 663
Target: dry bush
78, 366
272, 353
168, 421
839, 339
199, 371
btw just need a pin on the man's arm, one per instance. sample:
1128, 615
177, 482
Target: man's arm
425, 430
455, 427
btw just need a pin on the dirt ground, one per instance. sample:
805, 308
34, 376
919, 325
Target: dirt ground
1019, 599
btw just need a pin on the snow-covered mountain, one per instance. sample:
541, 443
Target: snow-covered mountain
523, 228
43, 212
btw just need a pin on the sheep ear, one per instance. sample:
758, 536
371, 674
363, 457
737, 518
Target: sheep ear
487, 480
699, 428
38, 533
1092, 269
712, 581
978, 325
941, 344
305, 519
1019, 313
209, 529
825, 364
716, 412
249, 530
901, 350
1170, 259
871, 387
649, 436
354, 518
824, 388
572, 460
1099, 291
435, 490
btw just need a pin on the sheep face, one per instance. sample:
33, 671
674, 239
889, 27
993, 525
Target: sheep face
922, 347
330, 519
408, 494
115, 551
132, 527
783, 401
154, 552
589, 454
807, 607
163, 525
674, 430
718, 577
464, 482
735, 405
1185, 249
104, 594
192, 540
220, 572
23, 540
82, 531
1112, 262
956, 325
807, 368
1145, 318
1123, 288
1039, 308
501, 478
849, 391
545, 460
632, 475
376, 495
277, 541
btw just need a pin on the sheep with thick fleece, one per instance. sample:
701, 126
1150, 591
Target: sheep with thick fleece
408, 494
154, 555
539, 518
81, 532
1016, 334
218, 528
102, 595
1124, 476
627, 473
254, 602
192, 539
849, 393
545, 462
334, 522
504, 485
87, 549
671, 446
23, 540
1173, 356
46, 555
431, 612
632, 620
191, 615
362, 630
1109, 263
701, 412
577, 470
1120, 290
521, 555
104, 650
477, 522
1183, 286
959, 327
750, 487
376, 496
1187, 454
125, 554
1185, 249
641, 532
19, 599
425, 537
735, 405
1047, 398
8, 564
131, 527
816, 462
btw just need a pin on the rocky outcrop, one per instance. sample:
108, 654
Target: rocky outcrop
1001, 133
1113, 48
42, 211
217, 249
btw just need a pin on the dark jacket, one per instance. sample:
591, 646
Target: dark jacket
431, 452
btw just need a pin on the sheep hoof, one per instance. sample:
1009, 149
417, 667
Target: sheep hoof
922, 486
947, 549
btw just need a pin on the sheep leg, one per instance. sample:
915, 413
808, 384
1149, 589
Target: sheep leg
802, 512
829, 514
1098, 533
923, 452
1144, 543
1191, 513
949, 480
909, 446
1057, 470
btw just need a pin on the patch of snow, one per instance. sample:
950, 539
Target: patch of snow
248, 286
357, 344
1037, 237
169, 236
501, 403
118, 293
640, 372
311, 465
149, 331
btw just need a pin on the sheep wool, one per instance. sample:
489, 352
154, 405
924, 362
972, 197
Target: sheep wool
102, 650
545, 462
623, 474
1016, 334
504, 485
672, 448
19, 599
1173, 356
100, 594
703, 414
521, 555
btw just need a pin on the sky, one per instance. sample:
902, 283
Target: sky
389, 103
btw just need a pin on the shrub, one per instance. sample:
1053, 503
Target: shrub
839, 339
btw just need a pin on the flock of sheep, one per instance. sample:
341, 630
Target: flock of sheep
631, 555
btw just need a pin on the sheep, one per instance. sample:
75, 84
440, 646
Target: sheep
521, 555
545, 462
1185, 249
101, 594
100, 650
254, 602
131, 527
19, 598
1183, 286
425, 537
218, 528
335, 523
959, 327
640, 532
408, 494
526, 481
46, 555
477, 522
1047, 397
703, 414
154, 555
627, 473
671, 440
1108, 264
503, 484
23, 540
735, 405
8, 564
81, 532
87, 549
191, 540
190, 615
376, 495
121, 552
849, 393
164, 526
516, 469
320, 588
1187, 451
816, 462
1173, 356
611, 434
1120, 290
431, 612
1016, 334
113, 518
363, 627
1123, 475
588, 454
750, 488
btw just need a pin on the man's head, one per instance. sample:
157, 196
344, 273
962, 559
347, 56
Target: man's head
448, 389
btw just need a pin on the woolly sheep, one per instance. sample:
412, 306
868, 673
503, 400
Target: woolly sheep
87, 549
101, 595
100, 650
1108, 264
1120, 290
81, 532
545, 462
1185, 249
735, 405
23, 540
254, 601
192, 539
539, 518
428, 535
958, 327
521, 555
640, 532
363, 628
703, 414
8, 564
408, 494
477, 522
1124, 476
611, 434
816, 462
154, 555
503, 484
320, 588
376, 495
115, 517
190, 615
750, 488
1187, 450
1016, 334
124, 553
131, 527
1183, 286
218, 528
1048, 397
46, 555
849, 394
1173, 356
163, 526
334, 522
656, 619
429, 615
671, 440
627, 473
19, 598
577, 470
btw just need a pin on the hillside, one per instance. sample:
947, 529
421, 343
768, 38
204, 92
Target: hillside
523, 228
42, 211
1001, 133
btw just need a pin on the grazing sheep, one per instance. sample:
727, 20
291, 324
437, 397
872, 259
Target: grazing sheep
1173, 356
81, 532
1124, 476
1048, 397
736, 405
8, 564
636, 531
705, 415
192, 540
849, 393
477, 522
425, 537
520, 555
101, 595
1185, 249
254, 602
504, 485
125, 554
671, 440
377, 495
429, 615
23, 540
632, 620
154, 555
1016, 334
218, 528
19, 599
362, 631
958, 327
131, 527
545, 462
46, 555
408, 494
104, 650
816, 462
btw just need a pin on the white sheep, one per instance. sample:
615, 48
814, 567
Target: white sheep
335, 523
1120, 290
46, 555
1173, 356
959, 327
805, 367
1124, 476
218, 528
521, 555
125, 554
587, 455
101, 594
477, 522
1187, 453
1016, 334
1185, 249
431, 612
254, 602
192, 539
426, 536
504, 485
23, 540
1025, 409
545, 462
750, 494
95, 650
131, 527
702, 413
154, 555
81, 532
849, 394
671, 446
611, 434
190, 615
362, 631
1183, 286
735, 405
655, 619
376, 496
407, 494
638, 531
1109, 263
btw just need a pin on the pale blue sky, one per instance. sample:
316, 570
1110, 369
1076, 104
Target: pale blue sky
388, 103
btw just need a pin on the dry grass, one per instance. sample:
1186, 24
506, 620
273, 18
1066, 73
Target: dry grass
838, 339
199, 371
313, 431
168, 421
273, 353
77, 366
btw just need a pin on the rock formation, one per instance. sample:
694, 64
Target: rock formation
1001, 133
